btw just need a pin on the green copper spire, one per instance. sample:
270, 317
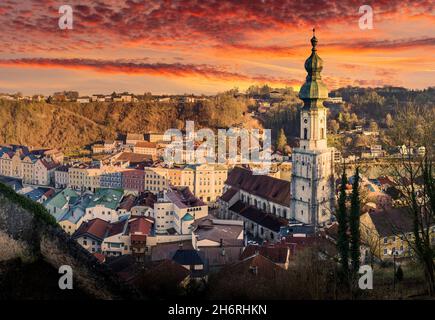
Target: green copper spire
314, 91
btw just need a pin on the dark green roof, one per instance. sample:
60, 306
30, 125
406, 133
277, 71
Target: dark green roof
188, 217
313, 92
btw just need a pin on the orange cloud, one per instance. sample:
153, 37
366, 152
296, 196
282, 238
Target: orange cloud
157, 69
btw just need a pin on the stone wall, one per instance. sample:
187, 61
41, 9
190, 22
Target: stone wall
52, 244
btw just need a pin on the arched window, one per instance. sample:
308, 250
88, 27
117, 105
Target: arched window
322, 133
305, 133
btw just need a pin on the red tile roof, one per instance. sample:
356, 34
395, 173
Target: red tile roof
49, 193
95, 227
229, 194
146, 199
297, 244
134, 157
256, 265
277, 254
258, 216
49, 164
140, 226
161, 274
391, 221
100, 257
182, 197
116, 228
272, 189
127, 202
386, 181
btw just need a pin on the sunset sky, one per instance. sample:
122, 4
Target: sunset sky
204, 46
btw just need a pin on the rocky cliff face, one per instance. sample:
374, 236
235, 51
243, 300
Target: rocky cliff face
32, 239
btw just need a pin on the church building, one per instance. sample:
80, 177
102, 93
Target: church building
312, 184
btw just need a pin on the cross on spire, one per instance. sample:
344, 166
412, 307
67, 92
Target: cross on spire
314, 40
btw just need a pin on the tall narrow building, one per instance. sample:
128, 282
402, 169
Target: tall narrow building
312, 185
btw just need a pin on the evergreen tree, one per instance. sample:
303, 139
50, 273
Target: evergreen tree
354, 222
342, 237
281, 141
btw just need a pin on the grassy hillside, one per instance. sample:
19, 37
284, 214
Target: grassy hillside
46, 125
71, 125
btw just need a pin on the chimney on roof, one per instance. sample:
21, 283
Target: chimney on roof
254, 270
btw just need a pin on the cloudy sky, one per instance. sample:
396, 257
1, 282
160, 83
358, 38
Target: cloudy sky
207, 46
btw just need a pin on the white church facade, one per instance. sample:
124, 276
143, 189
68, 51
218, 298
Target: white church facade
273, 208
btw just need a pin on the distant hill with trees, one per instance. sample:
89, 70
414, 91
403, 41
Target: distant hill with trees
69, 125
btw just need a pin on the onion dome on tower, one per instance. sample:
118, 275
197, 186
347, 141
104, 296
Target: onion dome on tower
313, 92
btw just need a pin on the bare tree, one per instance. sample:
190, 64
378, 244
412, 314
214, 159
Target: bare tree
414, 177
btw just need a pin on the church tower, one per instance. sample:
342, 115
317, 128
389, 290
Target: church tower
312, 185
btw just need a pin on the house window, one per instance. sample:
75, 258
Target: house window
385, 252
393, 238
305, 133
385, 240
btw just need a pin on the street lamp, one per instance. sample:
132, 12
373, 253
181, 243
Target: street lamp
394, 253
